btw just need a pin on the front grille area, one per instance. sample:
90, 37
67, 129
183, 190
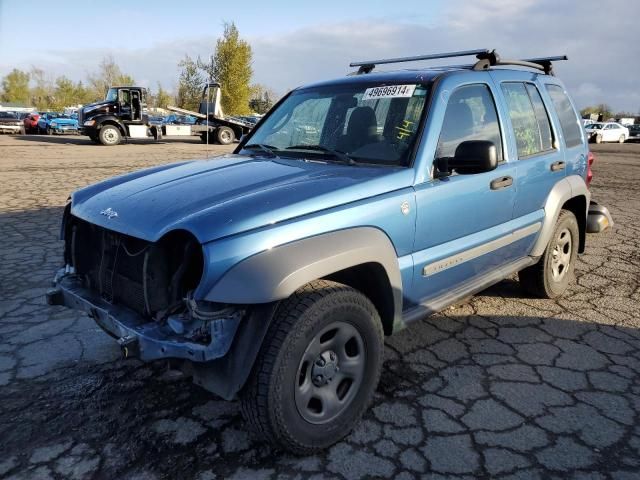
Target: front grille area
149, 278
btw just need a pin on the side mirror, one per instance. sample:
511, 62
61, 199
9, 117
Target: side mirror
472, 156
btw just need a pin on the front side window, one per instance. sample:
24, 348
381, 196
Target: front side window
470, 115
569, 121
365, 123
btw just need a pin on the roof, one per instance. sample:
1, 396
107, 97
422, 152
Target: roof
425, 75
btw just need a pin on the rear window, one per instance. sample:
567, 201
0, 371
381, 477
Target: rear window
569, 121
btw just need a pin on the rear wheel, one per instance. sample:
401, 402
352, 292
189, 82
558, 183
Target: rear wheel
550, 277
109, 135
225, 135
317, 369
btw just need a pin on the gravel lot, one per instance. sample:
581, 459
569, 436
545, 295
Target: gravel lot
503, 386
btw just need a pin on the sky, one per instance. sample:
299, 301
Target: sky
301, 42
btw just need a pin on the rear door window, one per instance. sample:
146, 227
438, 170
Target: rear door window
569, 121
529, 119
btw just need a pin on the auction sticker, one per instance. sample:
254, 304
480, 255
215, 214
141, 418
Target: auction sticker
390, 91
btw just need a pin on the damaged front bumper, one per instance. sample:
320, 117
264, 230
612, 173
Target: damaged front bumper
598, 218
144, 338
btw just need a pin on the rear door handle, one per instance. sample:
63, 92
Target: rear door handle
502, 182
556, 166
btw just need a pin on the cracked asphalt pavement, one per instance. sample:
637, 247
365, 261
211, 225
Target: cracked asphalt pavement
500, 386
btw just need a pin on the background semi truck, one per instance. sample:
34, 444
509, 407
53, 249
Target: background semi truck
123, 114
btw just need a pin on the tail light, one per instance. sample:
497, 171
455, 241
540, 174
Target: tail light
590, 159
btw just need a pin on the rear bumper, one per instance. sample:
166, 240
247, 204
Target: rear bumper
140, 337
598, 218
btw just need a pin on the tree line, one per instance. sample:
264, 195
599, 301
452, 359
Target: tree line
229, 65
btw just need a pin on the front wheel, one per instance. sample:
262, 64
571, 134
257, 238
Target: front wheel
598, 138
621, 139
109, 135
317, 369
550, 277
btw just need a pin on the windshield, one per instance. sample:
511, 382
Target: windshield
369, 123
112, 95
596, 126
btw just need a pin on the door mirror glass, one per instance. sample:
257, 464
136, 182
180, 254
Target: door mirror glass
472, 156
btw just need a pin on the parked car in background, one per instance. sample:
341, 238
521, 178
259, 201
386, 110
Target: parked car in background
607, 132
634, 133
10, 123
174, 119
157, 120
52, 122
30, 122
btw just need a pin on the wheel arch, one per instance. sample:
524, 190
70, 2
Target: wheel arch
570, 193
363, 258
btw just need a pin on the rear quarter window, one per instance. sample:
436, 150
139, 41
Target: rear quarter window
569, 121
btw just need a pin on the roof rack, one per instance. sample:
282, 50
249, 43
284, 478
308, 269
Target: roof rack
369, 65
486, 59
492, 59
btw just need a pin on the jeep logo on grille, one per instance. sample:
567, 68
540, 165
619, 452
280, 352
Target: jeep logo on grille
109, 213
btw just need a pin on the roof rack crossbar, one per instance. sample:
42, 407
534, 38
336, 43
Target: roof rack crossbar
369, 65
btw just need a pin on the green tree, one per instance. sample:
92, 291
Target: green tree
190, 84
42, 89
108, 75
65, 93
262, 98
15, 87
162, 98
231, 68
601, 109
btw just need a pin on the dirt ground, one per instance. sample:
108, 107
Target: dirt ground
501, 386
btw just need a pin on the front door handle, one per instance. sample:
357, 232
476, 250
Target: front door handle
557, 166
502, 182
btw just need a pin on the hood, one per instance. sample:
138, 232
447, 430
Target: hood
227, 195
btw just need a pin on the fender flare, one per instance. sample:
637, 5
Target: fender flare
569, 187
107, 119
275, 274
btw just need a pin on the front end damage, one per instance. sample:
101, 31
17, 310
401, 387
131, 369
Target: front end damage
141, 293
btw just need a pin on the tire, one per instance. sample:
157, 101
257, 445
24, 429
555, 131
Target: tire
598, 138
295, 397
225, 135
49, 131
109, 135
550, 277
621, 139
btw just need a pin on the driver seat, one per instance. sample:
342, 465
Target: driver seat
362, 129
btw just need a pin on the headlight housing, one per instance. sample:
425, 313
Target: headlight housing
89, 123
53, 124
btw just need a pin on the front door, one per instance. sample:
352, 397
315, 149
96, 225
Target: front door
124, 102
463, 220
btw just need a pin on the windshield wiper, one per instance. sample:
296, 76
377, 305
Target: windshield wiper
265, 148
336, 153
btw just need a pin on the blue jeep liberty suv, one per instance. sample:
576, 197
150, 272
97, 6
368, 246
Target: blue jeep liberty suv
355, 207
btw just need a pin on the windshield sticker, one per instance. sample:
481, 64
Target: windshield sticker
390, 91
405, 130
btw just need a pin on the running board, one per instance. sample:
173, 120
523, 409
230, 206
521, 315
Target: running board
440, 302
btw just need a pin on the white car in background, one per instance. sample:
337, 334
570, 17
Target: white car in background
606, 132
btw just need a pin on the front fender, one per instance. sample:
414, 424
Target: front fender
276, 273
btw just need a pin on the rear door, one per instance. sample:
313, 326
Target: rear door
540, 160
